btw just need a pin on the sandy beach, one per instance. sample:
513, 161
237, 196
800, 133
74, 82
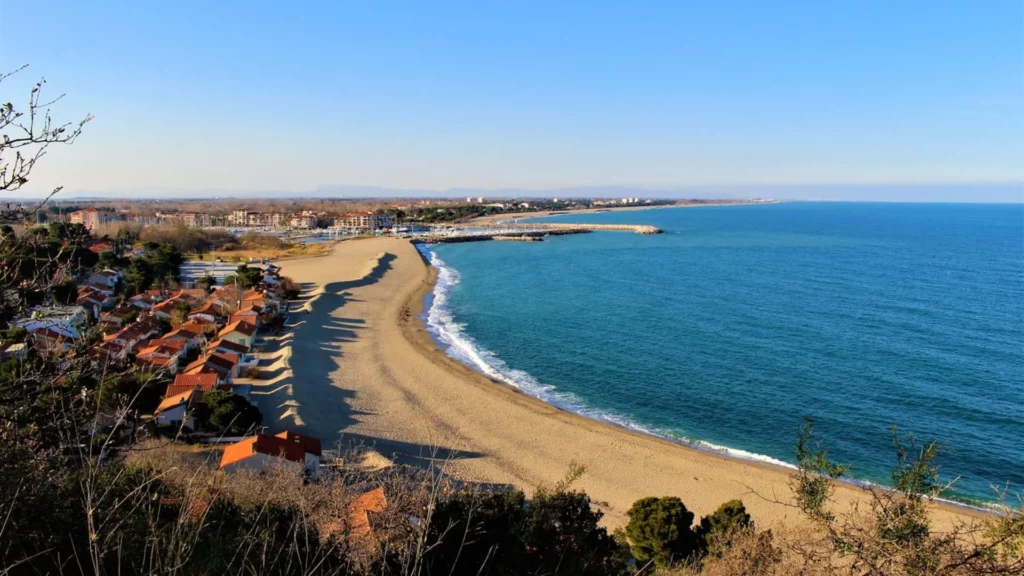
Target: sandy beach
360, 367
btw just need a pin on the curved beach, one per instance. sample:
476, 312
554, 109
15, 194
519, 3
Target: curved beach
359, 366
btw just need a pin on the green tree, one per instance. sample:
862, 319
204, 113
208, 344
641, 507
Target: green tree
14, 334
247, 277
718, 529
659, 529
206, 283
141, 392
65, 293
477, 531
230, 412
139, 275
564, 535
180, 313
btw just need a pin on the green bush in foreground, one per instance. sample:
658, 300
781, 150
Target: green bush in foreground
659, 530
230, 412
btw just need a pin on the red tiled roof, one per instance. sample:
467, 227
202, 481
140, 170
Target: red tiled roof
359, 511
226, 359
153, 361
159, 349
227, 346
239, 326
99, 246
186, 382
218, 362
177, 345
281, 446
309, 444
167, 305
175, 400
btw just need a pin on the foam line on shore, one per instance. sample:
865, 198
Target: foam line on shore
456, 343
451, 337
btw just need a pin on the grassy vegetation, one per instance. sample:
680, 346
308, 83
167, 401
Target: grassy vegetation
210, 244
243, 254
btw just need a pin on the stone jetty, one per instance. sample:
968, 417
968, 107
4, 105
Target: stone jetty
557, 226
524, 235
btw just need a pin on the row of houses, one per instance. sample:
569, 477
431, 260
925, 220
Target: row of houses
93, 218
305, 219
197, 341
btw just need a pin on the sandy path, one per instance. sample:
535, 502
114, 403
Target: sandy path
360, 365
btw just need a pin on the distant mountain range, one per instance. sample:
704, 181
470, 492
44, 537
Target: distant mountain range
1010, 192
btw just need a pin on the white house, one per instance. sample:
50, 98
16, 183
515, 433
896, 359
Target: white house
176, 410
65, 320
105, 280
262, 452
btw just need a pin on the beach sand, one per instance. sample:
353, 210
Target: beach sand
360, 367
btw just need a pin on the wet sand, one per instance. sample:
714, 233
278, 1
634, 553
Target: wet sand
360, 367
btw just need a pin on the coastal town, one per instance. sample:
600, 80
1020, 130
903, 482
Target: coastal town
180, 343
196, 346
335, 216
511, 289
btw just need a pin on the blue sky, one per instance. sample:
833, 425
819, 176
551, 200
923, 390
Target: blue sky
524, 95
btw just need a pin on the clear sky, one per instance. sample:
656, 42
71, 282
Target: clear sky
297, 95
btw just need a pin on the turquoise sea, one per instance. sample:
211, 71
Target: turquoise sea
738, 321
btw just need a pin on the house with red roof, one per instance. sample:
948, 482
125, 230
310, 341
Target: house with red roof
99, 246
250, 315
147, 300
51, 341
87, 296
132, 334
105, 281
201, 382
190, 333
176, 410
226, 346
223, 364
164, 309
239, 332
212, 312
262, 452
160, 356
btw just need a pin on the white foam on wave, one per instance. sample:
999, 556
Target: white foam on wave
461, 346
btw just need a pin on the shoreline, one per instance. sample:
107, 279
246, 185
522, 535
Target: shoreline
495, 218
384, 381
728, 453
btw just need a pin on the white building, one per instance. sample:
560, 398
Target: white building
263, 452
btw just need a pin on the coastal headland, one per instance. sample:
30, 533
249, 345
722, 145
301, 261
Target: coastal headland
359, 367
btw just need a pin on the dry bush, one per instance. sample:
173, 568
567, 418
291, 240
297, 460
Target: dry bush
189, 240
253, 240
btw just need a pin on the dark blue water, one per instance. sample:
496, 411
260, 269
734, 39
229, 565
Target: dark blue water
738, 321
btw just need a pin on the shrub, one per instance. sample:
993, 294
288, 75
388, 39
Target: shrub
717, 530
230, 412
564, 536
65, 293
500, 532
473, 530
139, 392
659, 530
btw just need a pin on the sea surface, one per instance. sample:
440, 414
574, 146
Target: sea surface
739, 321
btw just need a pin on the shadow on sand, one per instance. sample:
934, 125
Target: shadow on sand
296, 391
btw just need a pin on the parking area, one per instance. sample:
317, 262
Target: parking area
193, 270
